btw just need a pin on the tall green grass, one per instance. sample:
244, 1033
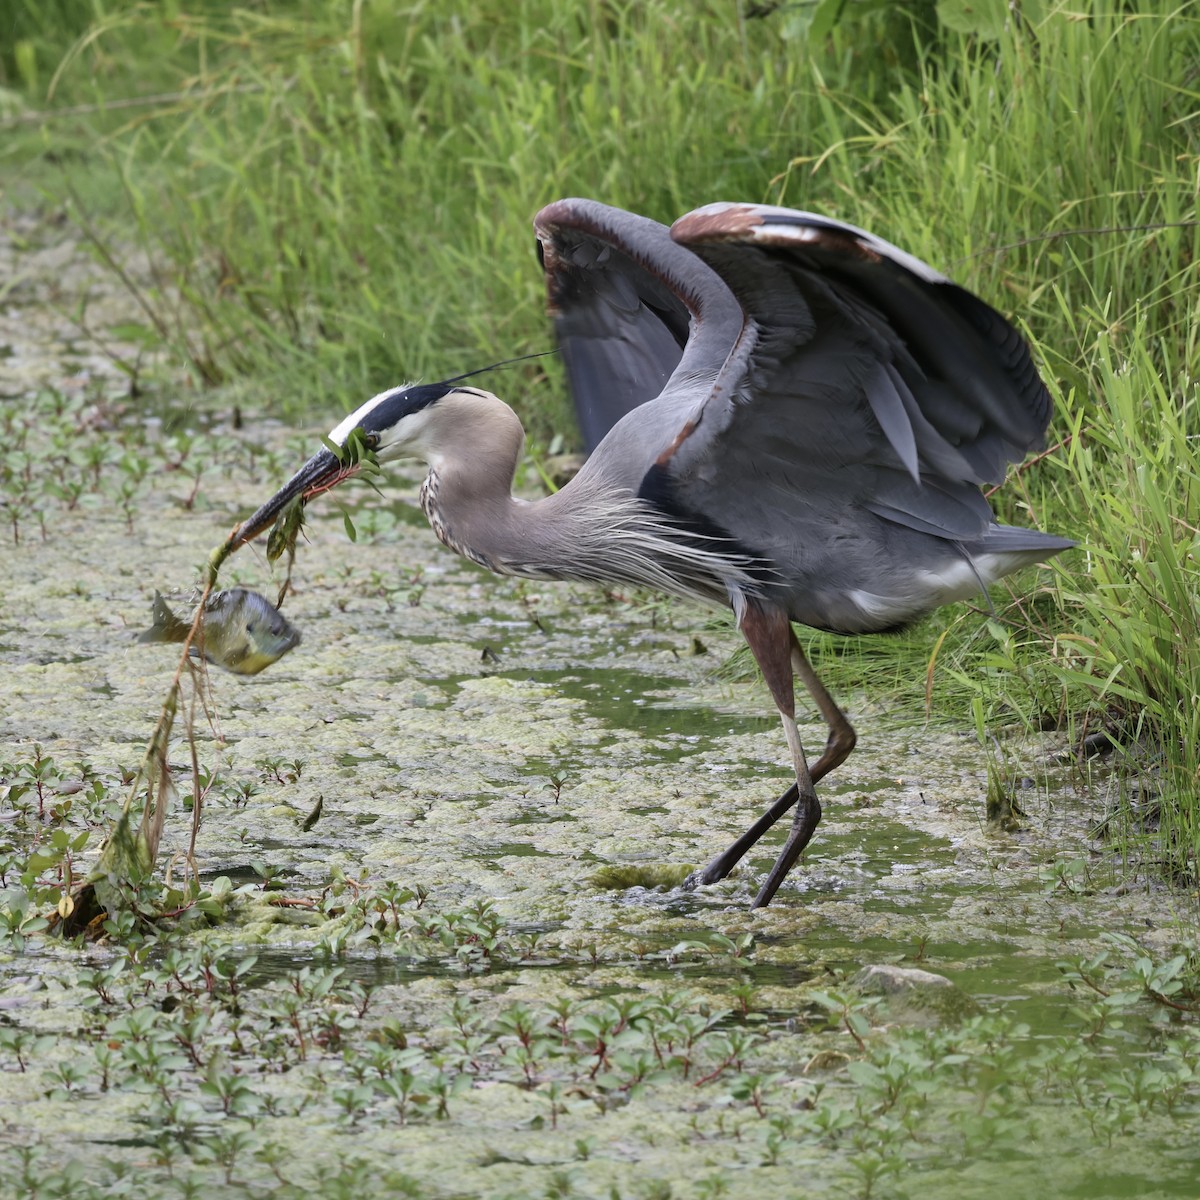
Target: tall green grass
1133, 606
343, 190
338, 195
351, 186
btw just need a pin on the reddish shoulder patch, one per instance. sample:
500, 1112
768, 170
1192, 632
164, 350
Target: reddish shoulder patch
681, 437
735, 224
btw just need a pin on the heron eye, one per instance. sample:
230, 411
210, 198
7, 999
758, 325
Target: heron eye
371, 441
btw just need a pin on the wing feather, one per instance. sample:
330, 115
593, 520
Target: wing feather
626, 302
918, 374
953, 334
808, 394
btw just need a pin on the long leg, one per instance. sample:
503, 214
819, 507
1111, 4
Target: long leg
840, 742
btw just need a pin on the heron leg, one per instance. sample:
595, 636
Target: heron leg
838, 746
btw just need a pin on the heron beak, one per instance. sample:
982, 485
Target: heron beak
319, 474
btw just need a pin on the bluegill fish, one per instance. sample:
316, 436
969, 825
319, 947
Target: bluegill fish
242, 631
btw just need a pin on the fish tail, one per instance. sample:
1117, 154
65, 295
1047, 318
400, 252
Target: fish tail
167, 626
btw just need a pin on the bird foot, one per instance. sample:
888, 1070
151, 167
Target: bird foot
703, 878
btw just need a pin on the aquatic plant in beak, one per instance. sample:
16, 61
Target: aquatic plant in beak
333, 464
238, 630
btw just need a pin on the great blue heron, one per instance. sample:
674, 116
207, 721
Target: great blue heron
809, 415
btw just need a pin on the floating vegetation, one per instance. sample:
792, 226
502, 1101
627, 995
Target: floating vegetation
621, 876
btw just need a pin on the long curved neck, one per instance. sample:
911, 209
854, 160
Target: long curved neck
472, 445
594, 529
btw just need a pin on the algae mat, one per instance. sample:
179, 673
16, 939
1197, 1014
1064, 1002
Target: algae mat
440, 950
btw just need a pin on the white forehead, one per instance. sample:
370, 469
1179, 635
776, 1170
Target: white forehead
341, 432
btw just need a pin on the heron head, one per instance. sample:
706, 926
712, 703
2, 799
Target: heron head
399, 423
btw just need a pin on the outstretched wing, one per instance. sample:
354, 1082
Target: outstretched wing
831, 414
625, 299
862, 378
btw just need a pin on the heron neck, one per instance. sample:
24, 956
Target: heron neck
589, 532
467, 495
473, 512
469, 503
595, 529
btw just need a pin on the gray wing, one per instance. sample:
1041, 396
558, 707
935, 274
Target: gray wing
862, 380
831, 416
625, 300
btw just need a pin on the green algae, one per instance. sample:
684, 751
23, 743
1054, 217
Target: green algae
452, 766
528, 771
622, 876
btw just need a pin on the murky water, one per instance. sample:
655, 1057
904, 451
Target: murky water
500, 742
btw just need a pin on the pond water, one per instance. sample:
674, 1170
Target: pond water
511, 777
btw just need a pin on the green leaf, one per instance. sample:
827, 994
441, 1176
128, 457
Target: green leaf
983, 18
825, 16
135, 331
25, 60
